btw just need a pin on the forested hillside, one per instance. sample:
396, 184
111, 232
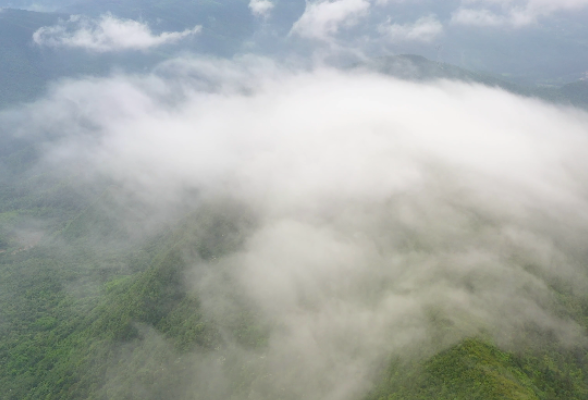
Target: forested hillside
84, 318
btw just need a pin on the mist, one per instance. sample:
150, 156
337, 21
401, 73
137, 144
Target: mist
390, 218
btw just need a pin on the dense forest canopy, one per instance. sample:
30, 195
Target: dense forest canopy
332, 199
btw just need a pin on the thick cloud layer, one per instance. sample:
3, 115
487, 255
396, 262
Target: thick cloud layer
392, 217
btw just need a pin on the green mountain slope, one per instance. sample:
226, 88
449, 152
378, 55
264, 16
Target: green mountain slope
474, 369
82, 318
78, 322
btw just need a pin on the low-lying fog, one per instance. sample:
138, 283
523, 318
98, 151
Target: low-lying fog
392, 217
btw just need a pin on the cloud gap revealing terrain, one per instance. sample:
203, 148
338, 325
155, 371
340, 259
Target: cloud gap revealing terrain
277, 226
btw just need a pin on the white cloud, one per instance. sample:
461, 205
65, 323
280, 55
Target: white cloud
261, 8
483, 17
107, 34
514, 13
386, 2
423, 30
324, 18
381, 206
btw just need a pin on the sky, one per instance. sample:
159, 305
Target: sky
107, 34
533, 41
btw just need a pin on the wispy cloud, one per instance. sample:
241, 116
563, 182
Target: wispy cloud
513, 13
107, 34
322, 19
423, 30
483, 17
261, 8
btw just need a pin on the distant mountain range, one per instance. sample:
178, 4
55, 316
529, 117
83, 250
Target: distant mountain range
26, 69
414, 67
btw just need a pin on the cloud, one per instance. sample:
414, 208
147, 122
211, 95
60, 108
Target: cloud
423, 30
381, 206
261, 8
510, 12
107, 34
478, 18
323, 19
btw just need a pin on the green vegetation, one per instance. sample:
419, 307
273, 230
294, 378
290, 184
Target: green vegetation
82, 318
474, 369
68, 319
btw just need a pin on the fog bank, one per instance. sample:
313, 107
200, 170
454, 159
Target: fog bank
392, 217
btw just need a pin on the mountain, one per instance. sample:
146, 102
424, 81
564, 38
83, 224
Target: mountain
418, 68
95, 306
575, 92
83, 317
24, 71
28, 69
